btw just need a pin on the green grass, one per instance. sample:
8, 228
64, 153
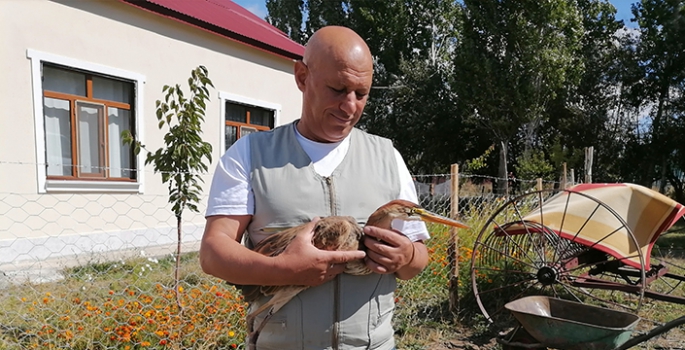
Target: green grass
420, 322
132, 305
672, 242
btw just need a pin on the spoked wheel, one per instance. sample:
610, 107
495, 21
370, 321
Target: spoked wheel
667, 271
566, 248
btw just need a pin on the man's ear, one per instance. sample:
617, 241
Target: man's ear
301, 72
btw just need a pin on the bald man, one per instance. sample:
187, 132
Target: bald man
317, 166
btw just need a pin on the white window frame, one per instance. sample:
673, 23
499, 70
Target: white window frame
229, 97
44, 185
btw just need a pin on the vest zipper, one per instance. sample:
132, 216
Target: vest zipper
336, 305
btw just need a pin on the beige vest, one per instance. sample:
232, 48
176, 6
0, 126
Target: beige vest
350, 312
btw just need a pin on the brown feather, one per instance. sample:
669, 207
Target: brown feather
330, 233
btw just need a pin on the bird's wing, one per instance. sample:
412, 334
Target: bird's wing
283, 296
276, 243
250, 293
273, 245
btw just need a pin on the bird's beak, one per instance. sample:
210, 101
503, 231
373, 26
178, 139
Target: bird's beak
428, 216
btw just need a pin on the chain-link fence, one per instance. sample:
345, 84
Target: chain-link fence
95, 270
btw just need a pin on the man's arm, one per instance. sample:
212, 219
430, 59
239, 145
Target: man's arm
401, 250
223, 256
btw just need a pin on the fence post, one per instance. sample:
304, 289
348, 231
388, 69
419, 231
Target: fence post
539, 184
573, 176
453, 249
563, 176
589, 152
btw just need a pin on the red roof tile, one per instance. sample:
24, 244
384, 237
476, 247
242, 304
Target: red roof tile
228, 19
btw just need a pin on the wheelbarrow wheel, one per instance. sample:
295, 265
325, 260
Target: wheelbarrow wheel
522, 250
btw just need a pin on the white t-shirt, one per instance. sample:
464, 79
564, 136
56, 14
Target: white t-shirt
231, 192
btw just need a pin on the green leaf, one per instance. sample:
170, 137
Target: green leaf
185, 151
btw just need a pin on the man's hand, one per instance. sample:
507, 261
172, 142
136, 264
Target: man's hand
390, 251
222, 255
310, 266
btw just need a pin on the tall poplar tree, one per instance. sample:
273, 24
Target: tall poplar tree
660, 55
513, 58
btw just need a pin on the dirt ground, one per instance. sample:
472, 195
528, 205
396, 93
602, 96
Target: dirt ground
466, 340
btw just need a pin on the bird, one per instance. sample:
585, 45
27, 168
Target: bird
341, 233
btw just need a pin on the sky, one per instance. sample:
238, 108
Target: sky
258, 7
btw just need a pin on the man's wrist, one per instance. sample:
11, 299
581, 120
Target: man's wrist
413, 254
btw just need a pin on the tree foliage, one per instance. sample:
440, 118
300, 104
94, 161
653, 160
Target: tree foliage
516, 56
540, 79
660, 58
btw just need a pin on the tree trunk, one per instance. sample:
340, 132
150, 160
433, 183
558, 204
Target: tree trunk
662, 180
656, 136
678, 188
178, 263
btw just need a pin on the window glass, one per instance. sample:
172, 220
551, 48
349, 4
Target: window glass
84, 116
64, 81
119, 154
246, 130
242, 120
90, 141
235, 113
111, 90
260, 116
231, 135
58, 137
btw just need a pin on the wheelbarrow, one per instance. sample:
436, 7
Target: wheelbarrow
547, 322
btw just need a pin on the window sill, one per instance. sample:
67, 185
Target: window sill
93, 186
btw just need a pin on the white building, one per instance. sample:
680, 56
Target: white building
77, 73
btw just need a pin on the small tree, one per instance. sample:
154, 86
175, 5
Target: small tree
180, 161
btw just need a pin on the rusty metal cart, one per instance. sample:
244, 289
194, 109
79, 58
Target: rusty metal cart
592, 244
568, 325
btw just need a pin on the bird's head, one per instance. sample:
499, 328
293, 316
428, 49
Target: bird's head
408, 211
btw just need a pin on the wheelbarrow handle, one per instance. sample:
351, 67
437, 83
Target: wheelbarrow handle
653, 333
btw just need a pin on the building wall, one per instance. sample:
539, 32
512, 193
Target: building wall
162, 52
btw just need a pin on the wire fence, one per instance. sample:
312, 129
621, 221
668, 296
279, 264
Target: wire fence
95, 270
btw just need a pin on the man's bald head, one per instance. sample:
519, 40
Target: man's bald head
338, 44
335, 78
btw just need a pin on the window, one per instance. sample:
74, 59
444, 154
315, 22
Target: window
80, 111
242, 120
84, 115
243, 116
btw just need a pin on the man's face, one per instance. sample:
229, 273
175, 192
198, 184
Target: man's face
334, 94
